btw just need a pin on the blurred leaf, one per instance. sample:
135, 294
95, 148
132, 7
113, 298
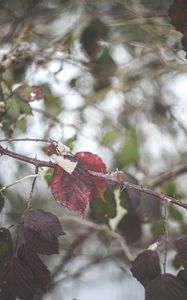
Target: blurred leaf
149, 209
130, 227
49, 176
29, 93
22, 124
129, 198
176, 262
175, 214
91, 35
109, 137
25, 108
2, 201
6, 245
130, 150
12, 106
70, 142
158, 227
169, 188
104, 209
52, 103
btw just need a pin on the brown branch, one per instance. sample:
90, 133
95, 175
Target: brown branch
167, 176
166, 234
29, 203
112, 177
33, 161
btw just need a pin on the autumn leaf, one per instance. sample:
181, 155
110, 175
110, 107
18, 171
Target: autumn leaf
94, 163
72, 185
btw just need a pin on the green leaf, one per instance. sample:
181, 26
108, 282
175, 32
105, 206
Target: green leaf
169, 188
158, 227
130, 151
2, 201
104, 209
25, 108
51, 102
12, 106
109, 137
175, 214
49, 176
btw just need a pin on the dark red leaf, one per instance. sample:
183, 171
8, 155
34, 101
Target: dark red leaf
16, 279
45, 223
166, 287
6, 246
146, 267
29, 93
40, 244
72, 190
94, 163
32, 260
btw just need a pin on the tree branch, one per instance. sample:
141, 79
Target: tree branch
112, 177
159, 180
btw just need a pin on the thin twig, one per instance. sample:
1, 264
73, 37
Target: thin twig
3, 188
29, 140
167, 176
166, 235
29, 203
102, 228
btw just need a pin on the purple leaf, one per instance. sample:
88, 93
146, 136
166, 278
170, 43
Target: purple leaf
146, 267
32, 260
16, 279
166, 287
45, 223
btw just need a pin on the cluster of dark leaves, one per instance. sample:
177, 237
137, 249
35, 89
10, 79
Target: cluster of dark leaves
178, 15
76, 190
22, 271
146, 269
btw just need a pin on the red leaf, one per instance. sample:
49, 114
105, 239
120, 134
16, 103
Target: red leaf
72, 190
94, 163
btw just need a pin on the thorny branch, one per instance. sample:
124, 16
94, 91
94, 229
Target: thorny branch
111, 177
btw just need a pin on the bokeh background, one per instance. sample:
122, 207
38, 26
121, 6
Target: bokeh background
113, 74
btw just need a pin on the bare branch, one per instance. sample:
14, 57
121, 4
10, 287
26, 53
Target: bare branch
172, 174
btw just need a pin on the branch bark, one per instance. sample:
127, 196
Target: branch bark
111, 177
